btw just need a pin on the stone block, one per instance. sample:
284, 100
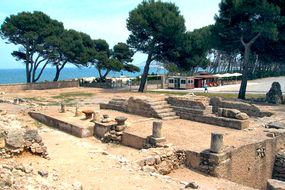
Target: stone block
273, 184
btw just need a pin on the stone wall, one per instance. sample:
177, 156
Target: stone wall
247, 108
144, 106
279, 166
63, 126
249, 165
40, 85
192, 102
196, 108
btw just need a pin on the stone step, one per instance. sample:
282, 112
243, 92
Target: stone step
163, 110
171, 118
168, 114
155, 103
163, 106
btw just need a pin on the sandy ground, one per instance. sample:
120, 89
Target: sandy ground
106, 166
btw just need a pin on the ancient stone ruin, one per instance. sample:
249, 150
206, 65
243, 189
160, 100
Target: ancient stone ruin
274, 95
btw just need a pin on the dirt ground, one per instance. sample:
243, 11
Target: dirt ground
107, 166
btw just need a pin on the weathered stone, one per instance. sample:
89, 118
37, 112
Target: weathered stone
105, 116
2, 142
217, 142
121, 120
273, 184
276, 125
247, 108
150, 161
32, 135
274, 95
96, 116
62, 108
232, 113
43, 173
242, 116
157, 159
156, 129
192, 185
106, 120
120, 128
165, 167
148, 168
15, 139
77, 112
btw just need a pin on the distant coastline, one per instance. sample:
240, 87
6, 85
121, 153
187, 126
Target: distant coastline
11, 76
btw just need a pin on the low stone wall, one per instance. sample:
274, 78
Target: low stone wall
214, 120
249, 165
279, 167
197, 109
40, 85
63, 126
144, 106
193, 102
247, 108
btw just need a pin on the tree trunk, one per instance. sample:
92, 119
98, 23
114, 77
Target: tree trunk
145, 73
243, 85
28, 74
247, 51
57, 73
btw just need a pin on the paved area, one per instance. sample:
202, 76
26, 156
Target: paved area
259, 86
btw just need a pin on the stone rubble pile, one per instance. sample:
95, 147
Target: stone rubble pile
164, 161
279, 166
232, 113
114, 135
15, 176
16, 138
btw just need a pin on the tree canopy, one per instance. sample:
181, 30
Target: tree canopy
155, 28
30, 30
106, 60
241, 23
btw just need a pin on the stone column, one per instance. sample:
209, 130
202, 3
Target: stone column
62, 108
76, 112
156, 137
96, 116
217, 142
156, 129
121, 120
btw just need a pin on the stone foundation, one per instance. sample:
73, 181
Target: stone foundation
144, 106
198, 109
247, 108
249, 165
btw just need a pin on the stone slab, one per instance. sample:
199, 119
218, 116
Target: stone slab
76, 130
273, 184
133, 141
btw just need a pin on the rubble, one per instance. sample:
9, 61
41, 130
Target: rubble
15, 139
17, 176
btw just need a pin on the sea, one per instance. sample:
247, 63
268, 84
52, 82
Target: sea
12, 76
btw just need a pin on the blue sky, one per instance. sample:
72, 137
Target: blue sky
104, 19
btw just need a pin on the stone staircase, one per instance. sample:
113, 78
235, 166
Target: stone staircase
157, 108
163, 110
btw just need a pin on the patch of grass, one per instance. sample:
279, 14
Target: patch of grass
34, 99
223, 95
72, 95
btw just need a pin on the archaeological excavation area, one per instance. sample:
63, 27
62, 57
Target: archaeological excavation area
170, 141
